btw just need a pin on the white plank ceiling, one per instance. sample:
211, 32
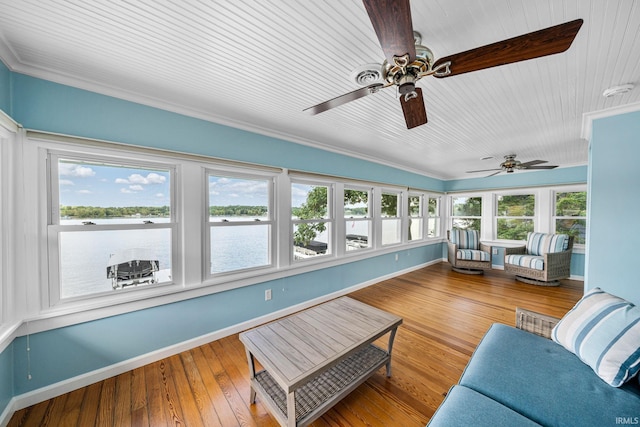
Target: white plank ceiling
256, 64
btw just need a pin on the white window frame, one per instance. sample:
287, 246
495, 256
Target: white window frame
369, 218
188, 205
330, 220
437, 217
400, 213
54, 228
453, 217
271, 222
496, 217
554, 217
423, 211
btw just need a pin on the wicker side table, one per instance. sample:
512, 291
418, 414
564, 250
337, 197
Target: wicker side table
536, 323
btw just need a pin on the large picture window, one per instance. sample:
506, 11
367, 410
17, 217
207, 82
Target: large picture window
466, 212
240, 222
514, 216
312, 219
111, 226
571, 214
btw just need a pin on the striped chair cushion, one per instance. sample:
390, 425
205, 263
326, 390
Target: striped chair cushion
465, 239
604, 332
472, 255
542, 243
529, 261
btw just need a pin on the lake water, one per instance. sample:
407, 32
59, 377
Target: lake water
84, 256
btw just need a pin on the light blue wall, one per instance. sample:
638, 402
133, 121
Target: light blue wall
64, 353
560, 176
5, 89
6, 377
52, 107
614, 206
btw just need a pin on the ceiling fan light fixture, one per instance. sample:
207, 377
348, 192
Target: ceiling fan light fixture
617, 90
406, 84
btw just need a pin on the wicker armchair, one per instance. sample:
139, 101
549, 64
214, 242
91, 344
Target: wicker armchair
544, 260
466, 254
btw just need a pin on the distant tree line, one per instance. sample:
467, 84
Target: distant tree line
238, 210
114, 212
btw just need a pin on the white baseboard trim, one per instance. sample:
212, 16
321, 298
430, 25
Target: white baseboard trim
5, 417
44, 393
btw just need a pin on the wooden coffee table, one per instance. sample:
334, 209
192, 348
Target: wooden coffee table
314, 358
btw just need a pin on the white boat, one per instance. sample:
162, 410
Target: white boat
132, 267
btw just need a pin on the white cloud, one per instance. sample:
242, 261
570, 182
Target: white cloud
159, 195
65, 182
71, 169
84, 192
136, 188
137, 179
125, 191
154, 178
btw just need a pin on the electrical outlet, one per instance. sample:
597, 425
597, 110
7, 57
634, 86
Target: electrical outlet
495, 251
267, 295
396, 257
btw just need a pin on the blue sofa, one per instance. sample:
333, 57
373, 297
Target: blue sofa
517, 378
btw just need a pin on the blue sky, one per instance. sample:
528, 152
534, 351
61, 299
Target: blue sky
85, 184
225, 191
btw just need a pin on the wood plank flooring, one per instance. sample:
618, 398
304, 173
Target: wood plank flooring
445, 316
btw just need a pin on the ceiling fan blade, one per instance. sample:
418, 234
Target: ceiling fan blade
532, 163
415, 113
540, 167
540, 43
343, 99
392, 21
493, 174
485, 170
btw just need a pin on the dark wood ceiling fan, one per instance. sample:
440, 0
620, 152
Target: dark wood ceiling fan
406, 63
510, 165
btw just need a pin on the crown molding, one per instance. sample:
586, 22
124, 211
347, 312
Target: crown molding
16, 66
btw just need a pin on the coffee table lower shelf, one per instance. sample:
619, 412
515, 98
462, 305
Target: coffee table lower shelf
322, 392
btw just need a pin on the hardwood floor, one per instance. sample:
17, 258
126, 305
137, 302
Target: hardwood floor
445, 316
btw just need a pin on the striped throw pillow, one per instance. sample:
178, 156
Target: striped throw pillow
603, 330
